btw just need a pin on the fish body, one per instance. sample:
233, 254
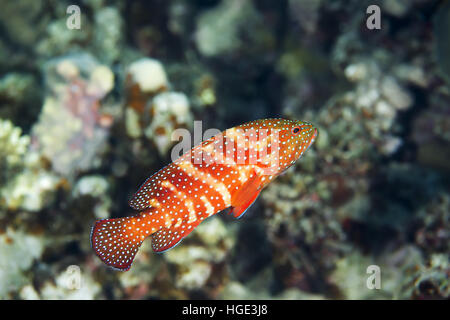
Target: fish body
227, 171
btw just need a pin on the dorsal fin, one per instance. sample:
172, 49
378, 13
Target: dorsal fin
142, 198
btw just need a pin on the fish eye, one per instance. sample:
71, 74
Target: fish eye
295, 130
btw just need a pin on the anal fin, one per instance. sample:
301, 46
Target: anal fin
168, 238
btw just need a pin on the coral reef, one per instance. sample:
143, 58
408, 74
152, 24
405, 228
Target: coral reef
18, 250
152, 110
71, 117
25, 183
227, 19
170, 111
430, 281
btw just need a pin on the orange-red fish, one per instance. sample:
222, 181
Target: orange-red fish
227, 171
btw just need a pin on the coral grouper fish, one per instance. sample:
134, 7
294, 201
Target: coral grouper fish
227, 171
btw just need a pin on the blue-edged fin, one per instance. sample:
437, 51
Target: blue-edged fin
160, 243
246, 196
168, 238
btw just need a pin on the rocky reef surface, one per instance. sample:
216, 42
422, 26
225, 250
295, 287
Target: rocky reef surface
86, 115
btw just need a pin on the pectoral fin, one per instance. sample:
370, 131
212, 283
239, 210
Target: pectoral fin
246, 196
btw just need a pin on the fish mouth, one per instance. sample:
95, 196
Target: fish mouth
313, 138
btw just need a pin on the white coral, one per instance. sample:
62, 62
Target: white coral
149, 74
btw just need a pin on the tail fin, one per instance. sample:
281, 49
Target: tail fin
116, 241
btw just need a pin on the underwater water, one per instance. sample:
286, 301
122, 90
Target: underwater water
91, 93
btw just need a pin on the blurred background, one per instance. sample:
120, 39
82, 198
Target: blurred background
86, 116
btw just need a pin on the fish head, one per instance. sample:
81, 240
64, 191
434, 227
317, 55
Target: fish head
294, 138
299, 135
277, 142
